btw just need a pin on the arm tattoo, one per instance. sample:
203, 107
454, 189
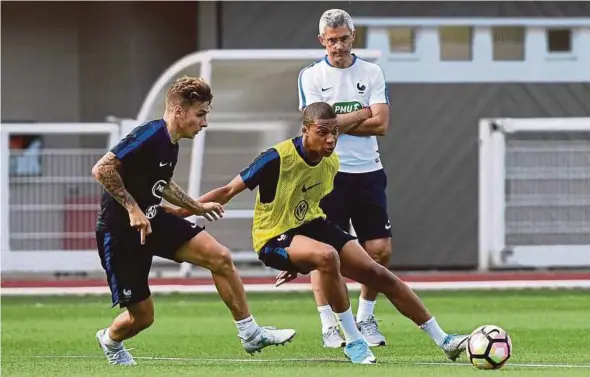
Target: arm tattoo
106, 171
177, 196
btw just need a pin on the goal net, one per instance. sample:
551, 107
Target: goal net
535, 192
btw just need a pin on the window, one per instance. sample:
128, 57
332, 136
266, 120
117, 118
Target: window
508, 43
455, 43
402, 40
559, 40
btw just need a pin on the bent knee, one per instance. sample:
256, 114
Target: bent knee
146, 322
222, 261
379, 250
328, 259
142, 321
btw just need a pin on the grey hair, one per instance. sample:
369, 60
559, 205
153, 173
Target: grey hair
334, 18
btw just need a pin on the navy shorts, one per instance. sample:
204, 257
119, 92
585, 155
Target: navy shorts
127, 262
360, 198
274, 255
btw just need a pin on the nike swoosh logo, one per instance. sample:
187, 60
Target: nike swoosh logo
306, 189
324, 89
163, 164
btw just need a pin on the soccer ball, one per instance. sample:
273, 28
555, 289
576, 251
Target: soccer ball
489, 347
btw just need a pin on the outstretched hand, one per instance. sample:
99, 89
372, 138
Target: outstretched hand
211, 211
285, 277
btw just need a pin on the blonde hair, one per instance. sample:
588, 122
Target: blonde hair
188, 90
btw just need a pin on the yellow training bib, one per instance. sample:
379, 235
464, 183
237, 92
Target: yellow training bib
297, 200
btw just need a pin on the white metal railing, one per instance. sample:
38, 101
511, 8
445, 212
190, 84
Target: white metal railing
48, 219
48, 213
534, 203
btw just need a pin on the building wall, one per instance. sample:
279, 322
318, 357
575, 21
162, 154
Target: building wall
72, 62
431, 158
40, 71
68, 61
295, 24
88, 60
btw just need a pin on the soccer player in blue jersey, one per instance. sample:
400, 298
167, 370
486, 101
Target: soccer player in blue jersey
132, 227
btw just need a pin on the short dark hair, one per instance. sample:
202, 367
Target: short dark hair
188, 90
317, 111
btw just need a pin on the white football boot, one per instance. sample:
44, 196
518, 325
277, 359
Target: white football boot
454, 344
267, 336
371, 333
119, 356
332, 338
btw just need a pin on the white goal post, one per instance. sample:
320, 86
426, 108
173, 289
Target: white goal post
534, 193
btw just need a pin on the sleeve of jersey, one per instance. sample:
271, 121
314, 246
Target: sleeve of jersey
133, 142
265, 168
379, 92
308, 88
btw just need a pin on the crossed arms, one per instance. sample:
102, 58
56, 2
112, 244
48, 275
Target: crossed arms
369, 121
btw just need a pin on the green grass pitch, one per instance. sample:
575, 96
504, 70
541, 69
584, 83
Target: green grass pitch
547, 327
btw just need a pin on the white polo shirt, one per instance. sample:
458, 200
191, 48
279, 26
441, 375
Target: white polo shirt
347, 90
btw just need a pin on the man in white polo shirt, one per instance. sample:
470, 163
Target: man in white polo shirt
357, 91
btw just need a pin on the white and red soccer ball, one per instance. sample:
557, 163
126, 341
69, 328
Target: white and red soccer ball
489, 347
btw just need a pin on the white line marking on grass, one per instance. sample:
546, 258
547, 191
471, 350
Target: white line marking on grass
513, 365
157, 358
310, 360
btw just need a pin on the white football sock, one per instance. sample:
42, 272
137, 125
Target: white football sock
109, 342
348, 325
432, 328
327, 317
365, 310
246, 327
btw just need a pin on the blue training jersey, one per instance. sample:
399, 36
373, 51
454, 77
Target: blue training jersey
148, 158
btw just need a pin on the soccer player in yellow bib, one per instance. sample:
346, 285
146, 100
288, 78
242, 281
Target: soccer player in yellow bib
291, 233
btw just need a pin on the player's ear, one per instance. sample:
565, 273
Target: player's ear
178, 111
353, 36
321, 40
303, 130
